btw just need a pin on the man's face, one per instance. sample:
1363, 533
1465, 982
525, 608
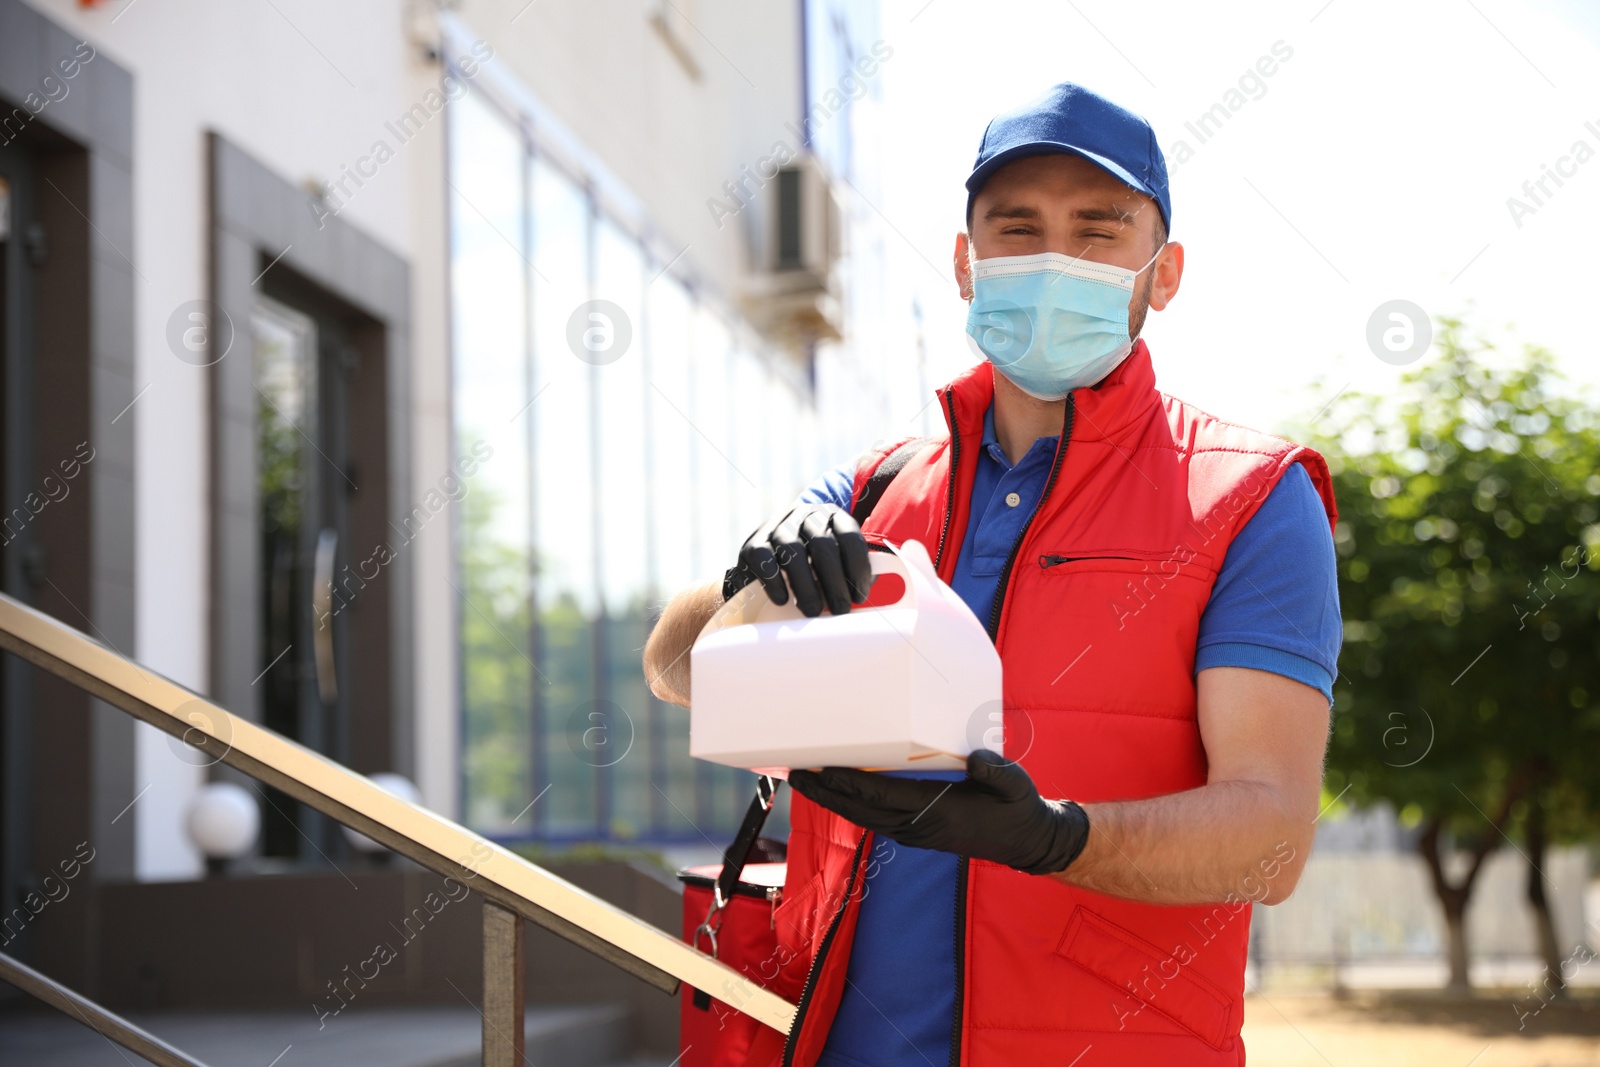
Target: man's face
1064, 203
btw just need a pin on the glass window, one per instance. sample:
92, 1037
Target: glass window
747, 456
671, 457
715, 539
604, 485
573, 729
836, 32
488, 273
720, 530
620, 380
613, 323
672, 439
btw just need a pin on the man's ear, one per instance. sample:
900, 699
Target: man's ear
963, 265
1166, 275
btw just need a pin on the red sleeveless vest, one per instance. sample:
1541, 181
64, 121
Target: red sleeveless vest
1096, 623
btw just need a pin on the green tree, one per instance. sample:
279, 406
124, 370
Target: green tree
1469, 556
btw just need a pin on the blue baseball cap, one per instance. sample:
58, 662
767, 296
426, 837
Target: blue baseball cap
1073, 120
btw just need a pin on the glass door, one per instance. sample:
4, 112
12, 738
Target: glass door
17, 547
303, 480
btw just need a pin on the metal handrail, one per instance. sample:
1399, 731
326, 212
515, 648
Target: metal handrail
81, 1009
502, 877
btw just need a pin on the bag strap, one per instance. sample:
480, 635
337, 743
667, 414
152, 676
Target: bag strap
738, 853
878, 481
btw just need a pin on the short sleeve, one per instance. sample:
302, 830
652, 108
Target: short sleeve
837, 487
1275, 605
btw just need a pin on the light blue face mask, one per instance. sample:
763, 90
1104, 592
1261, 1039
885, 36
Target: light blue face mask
1051, 323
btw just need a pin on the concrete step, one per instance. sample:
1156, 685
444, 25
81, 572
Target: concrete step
594, 1035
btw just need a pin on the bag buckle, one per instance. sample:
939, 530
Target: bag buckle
708, 927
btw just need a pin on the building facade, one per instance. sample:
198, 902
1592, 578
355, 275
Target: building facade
379, 370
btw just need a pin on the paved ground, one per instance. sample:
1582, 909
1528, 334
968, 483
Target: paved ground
1282, 1029
417, 1037
1422, 1030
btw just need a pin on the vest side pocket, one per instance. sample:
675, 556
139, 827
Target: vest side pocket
1157, 980
799, 920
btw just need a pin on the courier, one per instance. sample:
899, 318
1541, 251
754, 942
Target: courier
1159, 586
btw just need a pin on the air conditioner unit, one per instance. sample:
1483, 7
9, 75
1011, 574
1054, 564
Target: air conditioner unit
792, 295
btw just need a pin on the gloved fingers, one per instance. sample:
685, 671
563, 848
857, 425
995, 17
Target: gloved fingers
796, 563
869, 816
1000, 777
757, 557
825, 561
889, 796
809, 785
853, 554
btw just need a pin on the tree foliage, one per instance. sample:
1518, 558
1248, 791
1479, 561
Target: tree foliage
1469, 557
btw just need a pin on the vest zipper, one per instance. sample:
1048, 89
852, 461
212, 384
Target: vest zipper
955, 465
960, 937
961, 961
806, 990
1055, 470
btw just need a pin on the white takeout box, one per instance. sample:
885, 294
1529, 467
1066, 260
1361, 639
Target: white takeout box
914, 684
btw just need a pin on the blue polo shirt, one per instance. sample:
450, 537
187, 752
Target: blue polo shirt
1274, 607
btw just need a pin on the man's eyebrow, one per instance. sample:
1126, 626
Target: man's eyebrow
1105, 213
1102, 213
1011, 211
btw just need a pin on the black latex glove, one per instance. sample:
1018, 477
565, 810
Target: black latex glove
995, 814
818, 547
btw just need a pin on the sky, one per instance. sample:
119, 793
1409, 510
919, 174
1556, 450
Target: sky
1373, 165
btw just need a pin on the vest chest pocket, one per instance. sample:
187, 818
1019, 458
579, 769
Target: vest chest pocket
1128, 579
1164, 563
1118, 585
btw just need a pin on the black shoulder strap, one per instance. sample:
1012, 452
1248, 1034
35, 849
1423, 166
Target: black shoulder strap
738, 854
878, 481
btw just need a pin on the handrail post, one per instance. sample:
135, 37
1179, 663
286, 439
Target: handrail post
503, 986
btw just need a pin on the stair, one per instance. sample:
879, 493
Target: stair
593, 1035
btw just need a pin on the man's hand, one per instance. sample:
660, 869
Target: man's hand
819, 548
995, 814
